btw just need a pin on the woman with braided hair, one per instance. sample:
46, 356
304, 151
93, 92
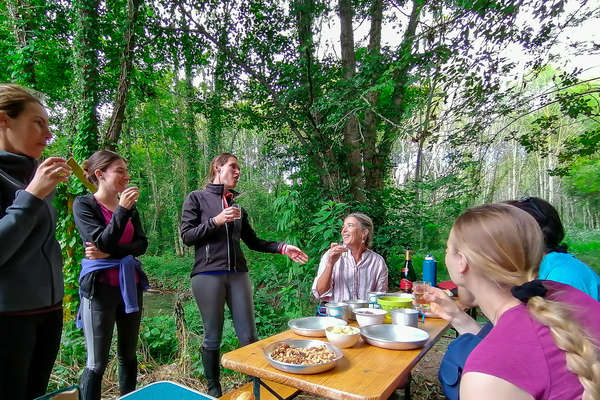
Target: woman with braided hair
544, 342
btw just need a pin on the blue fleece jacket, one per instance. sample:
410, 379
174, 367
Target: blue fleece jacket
127, 267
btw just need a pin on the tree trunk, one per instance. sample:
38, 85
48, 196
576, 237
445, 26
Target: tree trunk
191, 153
352, 137
118, 114
215, 118
375, 172
86, 77
19, 18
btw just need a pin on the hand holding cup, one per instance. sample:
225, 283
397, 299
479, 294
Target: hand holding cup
48, 174
227, 215
128, 197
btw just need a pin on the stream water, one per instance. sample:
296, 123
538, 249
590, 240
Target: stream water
158, 303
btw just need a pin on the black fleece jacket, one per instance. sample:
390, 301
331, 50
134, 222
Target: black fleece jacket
30, 260
218, 247
93, 228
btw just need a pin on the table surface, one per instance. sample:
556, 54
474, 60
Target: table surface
365, 373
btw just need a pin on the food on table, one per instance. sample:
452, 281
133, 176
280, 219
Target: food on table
302, 356
244, 396
343, 330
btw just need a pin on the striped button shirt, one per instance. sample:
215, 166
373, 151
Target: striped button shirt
351, 280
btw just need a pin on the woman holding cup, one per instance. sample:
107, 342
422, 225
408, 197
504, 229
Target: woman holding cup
212, 222
31, 281
493, 256
111, 280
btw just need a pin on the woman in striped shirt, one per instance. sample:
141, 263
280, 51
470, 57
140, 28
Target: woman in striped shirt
350, 270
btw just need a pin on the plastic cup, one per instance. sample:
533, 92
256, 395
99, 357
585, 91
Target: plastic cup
419, 290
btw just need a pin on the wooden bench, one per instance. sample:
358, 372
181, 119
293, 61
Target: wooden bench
283, 390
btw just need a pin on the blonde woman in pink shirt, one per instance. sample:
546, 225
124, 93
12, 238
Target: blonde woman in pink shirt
350, 270
545, 335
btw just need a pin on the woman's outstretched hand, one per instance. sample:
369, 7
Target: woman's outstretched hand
442, 306
92, 252
295, 254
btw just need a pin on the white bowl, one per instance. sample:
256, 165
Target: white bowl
369, 316
342, 340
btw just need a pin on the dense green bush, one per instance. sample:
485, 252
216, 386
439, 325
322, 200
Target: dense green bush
158, 337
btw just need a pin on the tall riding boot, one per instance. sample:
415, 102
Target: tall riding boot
91, 385
210, 360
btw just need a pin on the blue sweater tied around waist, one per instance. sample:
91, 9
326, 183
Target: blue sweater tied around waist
127, 267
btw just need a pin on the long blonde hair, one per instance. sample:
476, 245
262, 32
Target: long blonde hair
507, 245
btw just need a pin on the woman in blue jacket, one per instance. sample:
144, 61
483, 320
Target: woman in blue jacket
111, 280
31, 281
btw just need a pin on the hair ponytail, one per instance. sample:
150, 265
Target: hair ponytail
100, 160
506, 244
569, 336
218, 161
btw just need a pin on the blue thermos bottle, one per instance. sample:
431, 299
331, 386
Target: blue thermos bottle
430, 270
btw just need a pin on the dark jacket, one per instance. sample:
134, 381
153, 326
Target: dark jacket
93, 228
218, 247
30, 259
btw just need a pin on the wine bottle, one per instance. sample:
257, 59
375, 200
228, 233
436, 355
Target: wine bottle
408, 273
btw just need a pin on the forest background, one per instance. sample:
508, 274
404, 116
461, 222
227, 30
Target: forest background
409, 111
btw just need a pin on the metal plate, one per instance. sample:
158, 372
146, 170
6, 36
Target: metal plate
307, 368
394, 337
314, 326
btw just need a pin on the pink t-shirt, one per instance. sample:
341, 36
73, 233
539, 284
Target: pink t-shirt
522, 351
111, 276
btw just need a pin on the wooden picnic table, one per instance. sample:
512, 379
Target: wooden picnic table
365, 373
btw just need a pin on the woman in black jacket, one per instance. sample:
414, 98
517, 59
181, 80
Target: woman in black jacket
111, 280
214, 224
31, 281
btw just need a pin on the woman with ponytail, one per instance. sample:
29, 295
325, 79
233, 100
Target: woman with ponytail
545, 335
111, 280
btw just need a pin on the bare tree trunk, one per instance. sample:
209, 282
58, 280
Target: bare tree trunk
18, 11
351, 126
374, 176
118, 114
513, 191
155, 194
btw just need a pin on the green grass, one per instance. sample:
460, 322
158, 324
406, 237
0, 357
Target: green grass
588, 252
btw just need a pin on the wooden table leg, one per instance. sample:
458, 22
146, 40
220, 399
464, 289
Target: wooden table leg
256, 389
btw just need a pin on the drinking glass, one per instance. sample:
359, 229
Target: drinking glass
239, 209
419, 290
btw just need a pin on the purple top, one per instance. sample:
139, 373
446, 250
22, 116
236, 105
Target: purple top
522, 351
111, 276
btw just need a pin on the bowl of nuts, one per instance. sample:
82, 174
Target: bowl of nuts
299, 356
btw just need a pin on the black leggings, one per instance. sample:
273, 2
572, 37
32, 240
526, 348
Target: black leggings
28, 348
99, 316
211, 293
